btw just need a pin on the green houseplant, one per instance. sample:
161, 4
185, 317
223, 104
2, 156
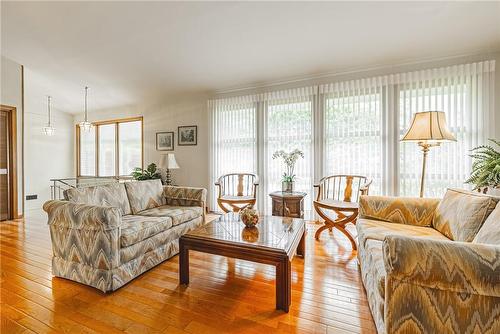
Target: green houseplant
151, 172
485, 173
289, 159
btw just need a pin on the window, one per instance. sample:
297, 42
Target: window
354, 127
234, 134
353, 135
289, 127
447, 165
111, 148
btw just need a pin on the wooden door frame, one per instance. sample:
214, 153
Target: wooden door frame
13, 191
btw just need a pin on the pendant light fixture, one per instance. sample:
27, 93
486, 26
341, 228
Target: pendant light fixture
48, 130
86, 126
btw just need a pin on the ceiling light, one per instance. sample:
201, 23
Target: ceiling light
48, 130
86, 126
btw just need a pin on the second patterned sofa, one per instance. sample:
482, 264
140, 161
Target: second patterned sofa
105, 236
429, 265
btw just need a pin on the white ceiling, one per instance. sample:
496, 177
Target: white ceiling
130, 51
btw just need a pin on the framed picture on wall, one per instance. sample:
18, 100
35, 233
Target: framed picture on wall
164, 141
187, 135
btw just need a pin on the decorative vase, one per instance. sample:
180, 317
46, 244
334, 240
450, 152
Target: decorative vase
249, 217
287, 186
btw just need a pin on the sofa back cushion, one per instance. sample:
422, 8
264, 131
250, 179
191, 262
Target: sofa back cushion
145, 195
106, 195
461, 213
490, 231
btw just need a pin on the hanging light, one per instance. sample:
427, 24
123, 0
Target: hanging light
86, 126
48, 130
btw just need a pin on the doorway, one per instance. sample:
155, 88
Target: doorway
8, 178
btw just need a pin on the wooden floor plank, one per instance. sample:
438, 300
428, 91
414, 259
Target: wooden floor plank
224, 295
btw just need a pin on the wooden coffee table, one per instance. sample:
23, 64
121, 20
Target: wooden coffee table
274, 241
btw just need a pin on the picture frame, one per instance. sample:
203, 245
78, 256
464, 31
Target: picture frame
187, 135
165, 141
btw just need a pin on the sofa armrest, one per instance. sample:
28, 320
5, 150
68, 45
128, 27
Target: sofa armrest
83, 235
401, 210
445, 265
185, 196
82, 216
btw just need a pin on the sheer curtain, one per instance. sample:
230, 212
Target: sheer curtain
289, 125
233, 137
353, 130
466, 94
354, 127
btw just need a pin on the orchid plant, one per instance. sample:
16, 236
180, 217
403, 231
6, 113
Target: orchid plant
289, 159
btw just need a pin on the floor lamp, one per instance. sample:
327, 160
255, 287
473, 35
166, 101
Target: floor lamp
428, 129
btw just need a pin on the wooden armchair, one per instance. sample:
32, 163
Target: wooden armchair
236, 191
339, 194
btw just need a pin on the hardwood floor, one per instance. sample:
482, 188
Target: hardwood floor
224, 295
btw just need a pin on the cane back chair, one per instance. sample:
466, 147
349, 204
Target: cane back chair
339, 195
236, 191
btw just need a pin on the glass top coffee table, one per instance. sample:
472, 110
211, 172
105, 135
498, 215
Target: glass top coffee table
274, 241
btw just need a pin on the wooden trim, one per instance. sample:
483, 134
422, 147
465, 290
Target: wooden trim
117, 144
77, 149
118, 120
22, 144
13, 188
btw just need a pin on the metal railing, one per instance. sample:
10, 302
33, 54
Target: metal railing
58, 186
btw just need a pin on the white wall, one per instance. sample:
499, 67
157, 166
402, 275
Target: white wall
167, 116
11, 94
45, 157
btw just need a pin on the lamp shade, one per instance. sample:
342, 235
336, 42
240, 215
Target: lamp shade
429, 126
167, 161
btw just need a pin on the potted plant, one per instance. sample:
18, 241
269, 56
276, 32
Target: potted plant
485, 175
151, 172
289, 159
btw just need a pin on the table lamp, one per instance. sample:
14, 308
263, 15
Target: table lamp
428, 129
168, 162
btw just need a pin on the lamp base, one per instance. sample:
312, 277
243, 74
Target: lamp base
168, 181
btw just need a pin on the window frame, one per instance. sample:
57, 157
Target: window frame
116, 123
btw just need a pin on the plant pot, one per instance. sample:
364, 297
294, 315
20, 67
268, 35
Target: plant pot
287, 186
493, 191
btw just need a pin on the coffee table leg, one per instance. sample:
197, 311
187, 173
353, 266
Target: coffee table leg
301, 248
183, 263
283, 285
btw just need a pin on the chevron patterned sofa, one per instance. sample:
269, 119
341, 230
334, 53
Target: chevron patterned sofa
431, 266
105, 236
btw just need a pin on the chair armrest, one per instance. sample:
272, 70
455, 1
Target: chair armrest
185, 196
401, 210
82, 216
445, 265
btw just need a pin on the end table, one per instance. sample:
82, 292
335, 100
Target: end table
288, 204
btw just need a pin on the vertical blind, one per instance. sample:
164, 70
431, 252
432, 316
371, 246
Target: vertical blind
354, 127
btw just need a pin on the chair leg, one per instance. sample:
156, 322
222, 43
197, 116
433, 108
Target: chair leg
339, 223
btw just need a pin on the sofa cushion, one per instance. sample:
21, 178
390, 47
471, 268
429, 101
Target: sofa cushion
370, 229
179, 214
490, 231
461, 213
150, 244
113, 195
137, 228
145, 195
